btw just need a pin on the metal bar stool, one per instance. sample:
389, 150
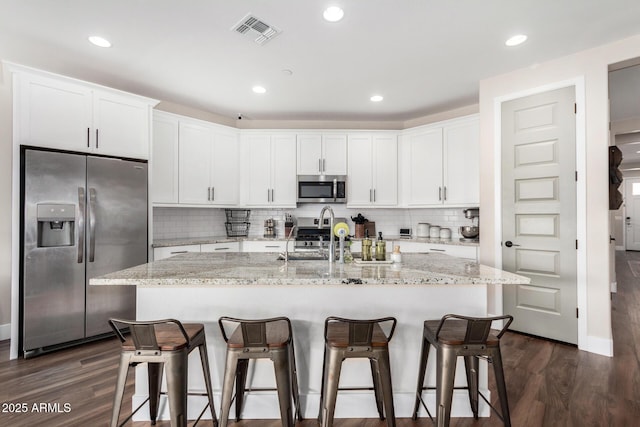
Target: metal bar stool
472, 338
259, 339
348, 338
162, 344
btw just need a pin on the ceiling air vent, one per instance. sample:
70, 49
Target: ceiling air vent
257, 29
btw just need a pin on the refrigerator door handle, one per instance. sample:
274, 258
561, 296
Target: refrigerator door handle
81, 212
92, 224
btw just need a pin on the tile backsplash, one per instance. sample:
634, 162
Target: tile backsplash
177, 223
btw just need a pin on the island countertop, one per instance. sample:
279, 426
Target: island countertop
205, 269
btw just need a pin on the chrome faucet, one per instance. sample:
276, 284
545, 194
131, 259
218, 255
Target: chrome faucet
286, 247
332, 242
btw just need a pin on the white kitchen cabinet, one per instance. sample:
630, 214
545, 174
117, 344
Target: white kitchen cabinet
59, 112
270, 170
220, 247
265, 246
169, 251
372, 170
208, 171
164, 159
441, 164
459, 251
322, 154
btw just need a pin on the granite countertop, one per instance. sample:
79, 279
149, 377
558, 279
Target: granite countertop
201, 269
223, 239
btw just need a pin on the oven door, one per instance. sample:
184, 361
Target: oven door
321, 189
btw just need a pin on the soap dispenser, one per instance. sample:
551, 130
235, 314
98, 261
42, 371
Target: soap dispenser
381, 248
366, 247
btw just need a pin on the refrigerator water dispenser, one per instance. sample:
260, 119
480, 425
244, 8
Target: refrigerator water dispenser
56, 224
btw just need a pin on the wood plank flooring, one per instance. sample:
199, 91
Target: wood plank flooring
549, 384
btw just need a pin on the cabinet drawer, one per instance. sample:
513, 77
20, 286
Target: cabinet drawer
169, 251
220, 247
265, 246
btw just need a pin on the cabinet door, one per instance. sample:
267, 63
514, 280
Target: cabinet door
385, 187
52, 113
283, 171
169, 251
164, 160
425, 182
258, 170
309, 154
360, 171
121, 126
224, 170
195, 163
334, 156
462, 164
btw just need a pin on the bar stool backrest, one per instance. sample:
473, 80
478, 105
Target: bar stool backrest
143, 333
361, 331
254, 331
478, 328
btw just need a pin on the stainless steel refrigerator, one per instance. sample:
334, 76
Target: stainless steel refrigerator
83, 216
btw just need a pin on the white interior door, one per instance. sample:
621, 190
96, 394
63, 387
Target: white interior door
539, 213
632, 208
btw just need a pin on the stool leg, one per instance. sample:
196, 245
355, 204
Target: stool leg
376, 387
424, 356
227, 387
323, 383
294, 381
332, 379
387, 390
446, 367
282, 367
123, 369
204, 360
502, 387
241, 382
471, 365
154, 374
176, 370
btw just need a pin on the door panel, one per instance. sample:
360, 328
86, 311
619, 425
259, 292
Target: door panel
118, 207
539, 213
632, 208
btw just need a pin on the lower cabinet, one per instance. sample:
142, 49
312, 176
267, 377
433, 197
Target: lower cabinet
220, 247
459, 251
265, 246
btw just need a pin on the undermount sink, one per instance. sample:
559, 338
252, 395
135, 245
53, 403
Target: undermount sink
302, 256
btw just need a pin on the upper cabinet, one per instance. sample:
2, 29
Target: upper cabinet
194, 162
440, 164
58, 112
269, 170
322, 154
372, 170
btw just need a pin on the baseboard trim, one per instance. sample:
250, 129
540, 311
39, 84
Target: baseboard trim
602, 346
5, 331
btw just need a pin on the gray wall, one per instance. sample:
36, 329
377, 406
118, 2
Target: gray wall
5, 201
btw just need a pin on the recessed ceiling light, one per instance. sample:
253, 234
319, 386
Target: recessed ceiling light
376, 98
516, 40
100, 41
333, 14
259, 89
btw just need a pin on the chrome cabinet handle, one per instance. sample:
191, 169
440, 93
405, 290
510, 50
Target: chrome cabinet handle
319, 165
370, 195
335, 190
445, 193
324, 166
82, 206
437, 250
374, 195
178, 252
92, 224
439, 193
213, 193
97, 139
88, 137
221, 249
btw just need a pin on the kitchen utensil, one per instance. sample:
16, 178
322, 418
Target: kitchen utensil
423, 229
434, 232
469, 231
341, 229
445, 233
396, 256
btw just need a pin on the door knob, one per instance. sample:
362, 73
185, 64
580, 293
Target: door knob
509, 243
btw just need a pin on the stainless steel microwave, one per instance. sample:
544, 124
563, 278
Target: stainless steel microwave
322, 189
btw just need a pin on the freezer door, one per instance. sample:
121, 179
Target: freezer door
116, 235
53, 277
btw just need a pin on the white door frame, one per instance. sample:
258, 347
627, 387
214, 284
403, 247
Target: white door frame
581, 195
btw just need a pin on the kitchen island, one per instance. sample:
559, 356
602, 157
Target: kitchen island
201, 287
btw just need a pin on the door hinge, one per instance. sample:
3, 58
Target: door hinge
576, 243
577, 313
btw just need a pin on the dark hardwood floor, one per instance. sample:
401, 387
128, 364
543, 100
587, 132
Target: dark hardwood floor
549, 384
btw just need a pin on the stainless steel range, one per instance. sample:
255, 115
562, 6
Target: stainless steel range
310, 237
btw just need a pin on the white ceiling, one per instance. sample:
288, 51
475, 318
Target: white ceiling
423, 56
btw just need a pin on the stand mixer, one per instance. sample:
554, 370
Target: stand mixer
471, 232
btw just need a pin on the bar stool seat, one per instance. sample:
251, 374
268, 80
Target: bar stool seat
163, 345
349, 338
259, 339
469, 337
